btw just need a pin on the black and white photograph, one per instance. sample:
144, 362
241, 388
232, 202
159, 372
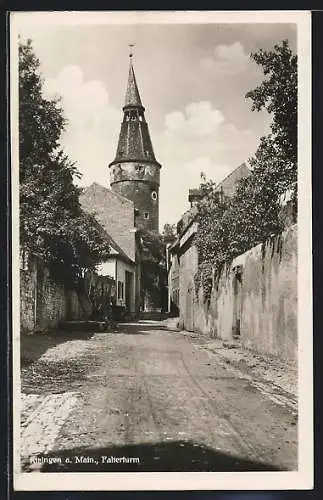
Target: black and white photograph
162, 287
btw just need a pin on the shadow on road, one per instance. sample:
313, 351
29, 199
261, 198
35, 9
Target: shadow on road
132, 329
33, 346
139, 328
178, 456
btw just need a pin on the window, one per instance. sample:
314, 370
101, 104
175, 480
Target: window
146, 215
120, 290
154, 195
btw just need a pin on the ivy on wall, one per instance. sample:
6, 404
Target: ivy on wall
229, 228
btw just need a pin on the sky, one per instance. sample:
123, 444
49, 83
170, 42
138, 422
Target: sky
192, 80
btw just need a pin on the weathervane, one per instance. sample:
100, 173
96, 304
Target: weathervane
131, 45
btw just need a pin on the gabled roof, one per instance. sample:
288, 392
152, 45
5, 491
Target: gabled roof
115, 214
195, 194
228, 185
117, 251
186, 220
132, 93
134, 142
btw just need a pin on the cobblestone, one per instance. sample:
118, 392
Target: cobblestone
43, 418
62, 352
261, 367
148, 387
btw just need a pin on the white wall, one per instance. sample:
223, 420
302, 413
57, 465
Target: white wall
268, 295
121, 269
107, 268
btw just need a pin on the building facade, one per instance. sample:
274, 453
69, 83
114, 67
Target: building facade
116, 215
135, 172
183, 260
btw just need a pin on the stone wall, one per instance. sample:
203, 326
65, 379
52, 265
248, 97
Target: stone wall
254, 298
139, 182
43, 302
187, 268
144, 171
51, 303
173, 284
145, 197
28, 296
73, 307
100, 289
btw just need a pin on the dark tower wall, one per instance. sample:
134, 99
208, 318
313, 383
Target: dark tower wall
135, 172
139, 182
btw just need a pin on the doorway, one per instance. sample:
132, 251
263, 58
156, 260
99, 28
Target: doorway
129, 292
189, 309
237, 301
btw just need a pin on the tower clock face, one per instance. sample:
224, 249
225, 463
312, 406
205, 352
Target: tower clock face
140, 169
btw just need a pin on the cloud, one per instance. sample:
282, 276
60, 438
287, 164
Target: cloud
205, 127
197, 139
90, 138
194, 139
188, 144
199, 119
201, 130
227, 60
231, 138
204, 164
178, 178
234, 53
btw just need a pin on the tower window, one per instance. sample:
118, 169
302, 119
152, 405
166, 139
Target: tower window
146, 215
154, 195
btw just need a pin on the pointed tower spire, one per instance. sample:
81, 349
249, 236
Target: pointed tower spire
132, 93
134, 172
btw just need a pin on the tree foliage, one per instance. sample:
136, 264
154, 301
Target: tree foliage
52, 223
227, 229
169, 233
153, 263
278, 95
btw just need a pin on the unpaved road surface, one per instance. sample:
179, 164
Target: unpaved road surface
147, 399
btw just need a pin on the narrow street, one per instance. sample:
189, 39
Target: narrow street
162, 396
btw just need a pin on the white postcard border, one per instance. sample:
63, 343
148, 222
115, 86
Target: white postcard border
303, 478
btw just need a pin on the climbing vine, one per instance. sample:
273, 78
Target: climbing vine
228, 228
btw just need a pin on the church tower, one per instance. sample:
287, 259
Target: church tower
134, 173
